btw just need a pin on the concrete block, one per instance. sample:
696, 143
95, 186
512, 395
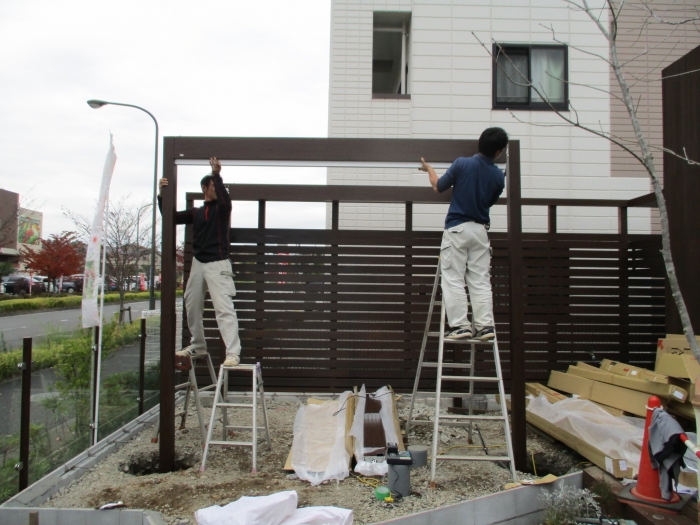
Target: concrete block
73, 517
495, 508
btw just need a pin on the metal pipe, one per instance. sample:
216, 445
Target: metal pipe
26, 367
142, 366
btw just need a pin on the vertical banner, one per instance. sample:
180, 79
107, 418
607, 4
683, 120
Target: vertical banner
91, 284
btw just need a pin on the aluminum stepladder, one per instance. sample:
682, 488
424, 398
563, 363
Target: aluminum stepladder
458, 420
190, 386
221, 401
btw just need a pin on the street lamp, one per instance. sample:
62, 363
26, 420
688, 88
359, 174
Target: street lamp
97, 104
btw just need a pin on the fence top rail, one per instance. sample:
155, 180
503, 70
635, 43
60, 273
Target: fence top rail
394, 194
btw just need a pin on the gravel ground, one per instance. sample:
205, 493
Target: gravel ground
178, 495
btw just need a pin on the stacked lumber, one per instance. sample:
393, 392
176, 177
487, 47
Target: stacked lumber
618, 386
675, 360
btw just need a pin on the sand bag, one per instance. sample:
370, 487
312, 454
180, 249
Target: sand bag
262, 510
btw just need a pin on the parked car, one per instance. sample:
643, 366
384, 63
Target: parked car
72, 284
19, 285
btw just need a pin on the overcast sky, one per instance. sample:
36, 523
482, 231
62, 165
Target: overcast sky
210, 67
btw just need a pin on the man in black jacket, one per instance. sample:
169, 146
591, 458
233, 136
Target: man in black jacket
211, 267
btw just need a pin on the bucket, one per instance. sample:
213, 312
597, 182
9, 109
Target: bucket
400, 480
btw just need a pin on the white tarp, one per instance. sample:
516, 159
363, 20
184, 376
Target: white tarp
617, 437
91, 283
275, 509
386, 414
318, 449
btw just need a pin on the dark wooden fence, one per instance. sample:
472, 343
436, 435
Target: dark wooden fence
326, 310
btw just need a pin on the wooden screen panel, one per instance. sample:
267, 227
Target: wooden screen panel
328, 310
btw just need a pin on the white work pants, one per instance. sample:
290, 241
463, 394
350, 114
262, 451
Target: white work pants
218, 278
465, 256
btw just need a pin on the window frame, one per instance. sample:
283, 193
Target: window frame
530, 105
405, 30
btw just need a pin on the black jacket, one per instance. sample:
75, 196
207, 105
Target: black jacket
211, 224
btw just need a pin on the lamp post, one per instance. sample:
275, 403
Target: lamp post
138, 237
97, 104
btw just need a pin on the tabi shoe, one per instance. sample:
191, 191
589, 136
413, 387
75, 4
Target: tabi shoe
232, 360
190, 351
487, 333
460, 333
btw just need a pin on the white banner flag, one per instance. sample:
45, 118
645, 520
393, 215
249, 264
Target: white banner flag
91, 283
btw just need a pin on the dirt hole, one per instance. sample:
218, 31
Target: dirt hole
145, 463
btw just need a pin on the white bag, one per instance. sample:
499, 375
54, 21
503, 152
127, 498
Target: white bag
262, 510
275, 509
318, 449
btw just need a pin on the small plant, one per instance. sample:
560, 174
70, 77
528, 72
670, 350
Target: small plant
564, 505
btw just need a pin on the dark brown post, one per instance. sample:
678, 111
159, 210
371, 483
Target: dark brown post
552, 219
335, 213
517, 314
261, 214
142, 366
167, 309
622, 226
26, 367
409, 216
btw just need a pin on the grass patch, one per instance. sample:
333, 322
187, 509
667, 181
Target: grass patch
50, 352
66, 301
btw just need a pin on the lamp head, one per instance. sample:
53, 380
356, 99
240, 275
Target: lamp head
96, 104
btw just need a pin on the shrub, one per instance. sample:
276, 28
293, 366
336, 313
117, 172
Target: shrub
564, 505
66, 301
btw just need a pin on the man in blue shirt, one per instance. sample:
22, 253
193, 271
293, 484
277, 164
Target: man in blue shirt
465, 253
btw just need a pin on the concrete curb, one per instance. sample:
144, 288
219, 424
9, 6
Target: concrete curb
20, 516
520, 506
40, 491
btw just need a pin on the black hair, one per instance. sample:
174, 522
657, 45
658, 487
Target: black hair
492, 140
206, 180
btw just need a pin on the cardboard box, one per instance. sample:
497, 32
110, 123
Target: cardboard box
674, 358
623, 369
624, 399
553, 397
642, 385
675, 344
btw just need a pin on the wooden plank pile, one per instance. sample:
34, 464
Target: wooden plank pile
622, 389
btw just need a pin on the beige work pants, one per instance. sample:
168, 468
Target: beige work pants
465, 258
218, 278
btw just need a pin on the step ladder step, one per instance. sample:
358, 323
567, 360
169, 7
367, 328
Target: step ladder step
446, 365
469, 417
232, 443
234, 405
231, 427
473, 458
462, 341
471, 378
441, 422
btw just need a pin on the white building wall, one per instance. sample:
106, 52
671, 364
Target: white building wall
450, 85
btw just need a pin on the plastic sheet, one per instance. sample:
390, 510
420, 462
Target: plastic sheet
614, 436
318, 449
275, 509
383, 395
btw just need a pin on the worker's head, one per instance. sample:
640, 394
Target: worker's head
208, 188
492, 142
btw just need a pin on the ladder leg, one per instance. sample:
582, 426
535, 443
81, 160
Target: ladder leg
224, 410
504, 410
156, 430
183, 418
438, 389
422, 349
472, 362
255, 423
261, 389
210, 366
197, 403
212, 419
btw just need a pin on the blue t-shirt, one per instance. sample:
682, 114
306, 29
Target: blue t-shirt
477, 183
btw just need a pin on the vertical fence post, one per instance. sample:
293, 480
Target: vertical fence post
26, 367
517, 313
142, 366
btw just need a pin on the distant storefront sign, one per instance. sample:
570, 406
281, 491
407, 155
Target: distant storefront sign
29, 229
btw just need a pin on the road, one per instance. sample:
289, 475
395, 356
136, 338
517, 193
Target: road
15, 327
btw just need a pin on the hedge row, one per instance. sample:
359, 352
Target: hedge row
73, 301
47, 353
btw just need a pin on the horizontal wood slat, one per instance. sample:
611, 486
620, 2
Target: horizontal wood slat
324, 310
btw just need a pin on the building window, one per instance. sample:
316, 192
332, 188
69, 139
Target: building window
519, 69
390, 51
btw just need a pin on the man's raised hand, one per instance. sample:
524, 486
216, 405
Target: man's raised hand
161, 183
215, 166
424, 166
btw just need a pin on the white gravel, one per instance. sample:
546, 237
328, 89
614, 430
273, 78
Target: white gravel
178, 495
